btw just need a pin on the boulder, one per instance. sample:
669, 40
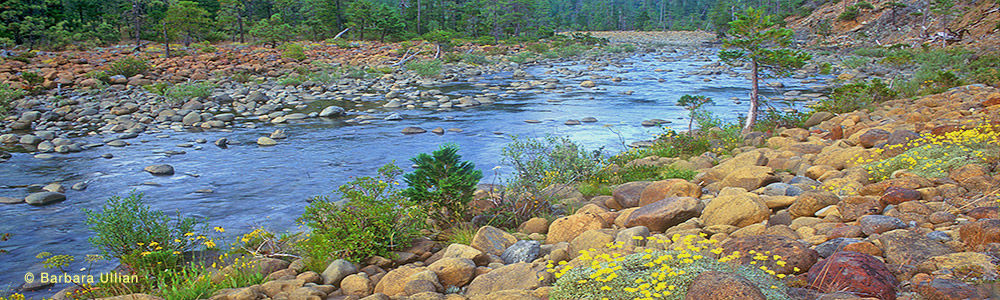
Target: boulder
394, 282
337, 270
666, 213
713, 285
745, 159
793, 253
629, 194
663, 189
331, 111
874, 224
977, 235
266, 141
735, 206
492, 240
750, 177
948, 289
904, 247
853, 272
520, 276
453, 271
567, 228
809, 202
413, 130
521, 251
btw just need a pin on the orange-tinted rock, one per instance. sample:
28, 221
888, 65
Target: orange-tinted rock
853, 272
949, 289
836, 133
660, 190
628, 194
713, 285
666, 213
979, 234
896, 195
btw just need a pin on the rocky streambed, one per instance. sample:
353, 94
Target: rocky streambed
252, 154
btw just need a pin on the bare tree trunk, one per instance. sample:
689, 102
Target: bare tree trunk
752, 113
418, 16
135, 16
239, 23
166, 40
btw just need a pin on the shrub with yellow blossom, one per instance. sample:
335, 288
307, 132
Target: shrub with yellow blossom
653, 274
933, 156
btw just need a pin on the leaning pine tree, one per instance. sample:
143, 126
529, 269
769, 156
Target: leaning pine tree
753, 40
443, 184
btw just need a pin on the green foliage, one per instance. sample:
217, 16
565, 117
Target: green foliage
272, 30
128, 67
856, 96
196, 281
774, 119
825, 68
461, 235
99, 75
985, 69
241, 76
159, 88
854, 62
188, 90
293, 51
127, 229
541, 162
443, 184
538, 48
187, 19
427, 68
292, 81
693, 104
619, 48
32, 78
864, 5
849, 14
935, 156
521, 57
375, 219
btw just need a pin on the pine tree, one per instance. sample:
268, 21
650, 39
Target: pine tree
443, 183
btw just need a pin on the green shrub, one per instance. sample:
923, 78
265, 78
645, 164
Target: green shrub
771, 120
241, 76
856, 96
849, 14
864, 5
693, 104
99, 75
147, 240
187, 90
290, 81
484, 40
7, 96
375, 219
32, 78
984, 69
476, 59
128, 67
159, 88
442, 184
427, 68
825, 68
538, 48
854, 62
461, 235
197, 282
293, 51
619, 48
520, 57
939, 82
550, 160
570, 50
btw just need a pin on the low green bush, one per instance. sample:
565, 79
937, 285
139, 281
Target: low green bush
374, 219
428, 68
293, 51
849, 14
149, 241
537, 48
442, 184
984, 69
856, 96
128, 67
7, 96
934, 156
619, 48
541, 162
188, 90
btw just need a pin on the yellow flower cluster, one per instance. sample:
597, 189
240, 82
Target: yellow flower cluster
936, 155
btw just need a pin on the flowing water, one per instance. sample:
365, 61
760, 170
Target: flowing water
269, 186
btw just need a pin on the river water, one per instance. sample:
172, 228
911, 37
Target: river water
268, 186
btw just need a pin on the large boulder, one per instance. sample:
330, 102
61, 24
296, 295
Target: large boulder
628, 194
713, 285
660, 190
979, 234
567, 228
663, 214
394, 282
745, 159
809, 202
454, 271
160, 169
522, 251
337, 270
736, 207
793, 253
853, 272
492, 240
905, 247
515, 276
750, 177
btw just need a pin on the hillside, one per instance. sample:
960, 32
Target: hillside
911, 22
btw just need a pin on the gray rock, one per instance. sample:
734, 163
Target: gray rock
45, 146
394, 117
107, 155
256, 96
226, 117
832, 246
337, 270
413, 130
782, 189
54, 187
79, 186
394, 103
161, 169
817, 118
331, 111
222, 143
588, 120
29, 139
938, 236
279, 134
9, 200
43, 198
266, 141
572, 122
872, 224
521, 251
191, 118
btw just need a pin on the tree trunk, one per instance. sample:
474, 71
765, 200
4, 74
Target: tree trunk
752, 113
166, 40
135, 15
239, 23
418, 17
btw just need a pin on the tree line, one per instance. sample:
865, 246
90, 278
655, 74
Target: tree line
56, 24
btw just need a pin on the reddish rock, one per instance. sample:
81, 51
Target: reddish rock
850, 231
567, 228
872, 137
666, 213
910, 182
627, 195
905, 247
660, 190
854, 272
988, 212
853, 207
948, 289
836, 133
792, 252
713, 285
979, 234
896, 195
864, 247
